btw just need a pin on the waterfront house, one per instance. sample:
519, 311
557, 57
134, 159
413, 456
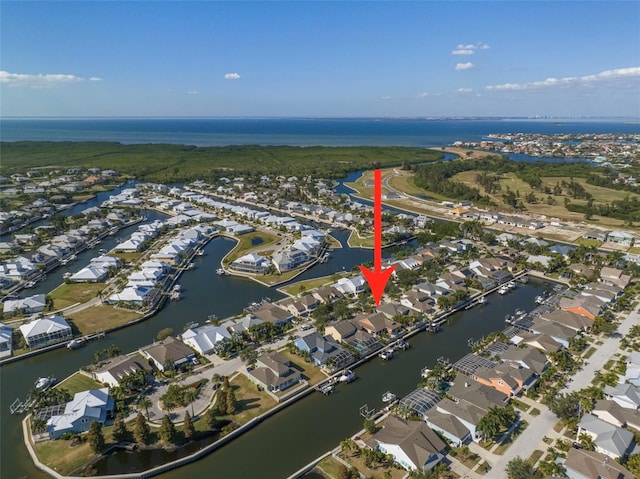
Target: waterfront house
89, 274
391, 310
5, 340
632, 374
85, 408
272, 313
543, 342
274, 373
119, 367
583, 464
347, 332
412, 444
587, 306
469, 415
477, 394
135, 295
417, 301
205, 339
597, 235
613, 413
244, 323
351, 286
251, 263
324, 350
448, 426
568, 319
626, 395
30, 305
610, 440
604, 292
557, 331
288, 259
377, 324
614, 277
327, 294
46, 331
506, 378
580, 269
168, 353
529, 358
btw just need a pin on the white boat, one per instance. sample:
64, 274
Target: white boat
200, 252
386, 354
75, 343
192, 325
389, 397
425, 372
221, 272
102, 251
503, 290
520, 312
176, 287
511, 284
347, 376
67, 275
327, 389
30, 284
539, 299
402, 344
45, 383
482, 300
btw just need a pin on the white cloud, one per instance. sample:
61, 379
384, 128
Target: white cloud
232, 76
464, 90
37, 81
464, 66
469, 49
386, 97
192, 92
95, 79
587, 80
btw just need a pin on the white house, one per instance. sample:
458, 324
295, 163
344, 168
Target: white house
204, 339
5, 340
131, 294
251, 263
85, 408
352, 286
119, 367
32, 304
90, 274
45, 331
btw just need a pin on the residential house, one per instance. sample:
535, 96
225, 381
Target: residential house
610, 440
205, 339
5, 340
30, 305
529, 358
506, 378
327, 294
274, 373
89, 274
584, 464
626, 395
614, 277
412, 444
613, 413
46, 331
135, 295
568, 319
377, 324
244, 323
119, 367
85, 408
587, 306
632, 374
621, 238
251, 263
351, 286
168, 353
324, 350
347, 332
604, 292
448, 426
557, 331
417, 301
272, 313
580, 269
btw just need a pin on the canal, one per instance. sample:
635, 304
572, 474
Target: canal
293, 437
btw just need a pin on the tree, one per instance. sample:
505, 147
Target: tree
119, 432
145, 403
210, 418
586, 441
187, 427
633, 464
518, 468
369, 425
167, 431
249, 356
232, 402
38, 425
141, 430
221, 400
95, 437
565, 406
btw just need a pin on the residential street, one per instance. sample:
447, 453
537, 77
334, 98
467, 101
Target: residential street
542, 425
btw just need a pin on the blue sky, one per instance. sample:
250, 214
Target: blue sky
339, 59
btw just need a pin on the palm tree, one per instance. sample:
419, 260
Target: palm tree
191, 395
145, 402
38, 425
586, 442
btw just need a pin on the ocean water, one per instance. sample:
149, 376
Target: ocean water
291, 131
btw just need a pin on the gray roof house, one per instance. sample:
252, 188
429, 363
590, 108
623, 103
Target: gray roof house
610, 440
411, 443
168, 351
626, 395
583, 464
45, 331
274, 373
119, 367
85, 408
30, 305
5, 340
449, 426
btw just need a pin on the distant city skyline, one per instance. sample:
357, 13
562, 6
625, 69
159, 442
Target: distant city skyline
320, 59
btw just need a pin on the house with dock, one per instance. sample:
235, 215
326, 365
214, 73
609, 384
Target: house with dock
168, 354
119, 367
274, 373
85, 408
46, 331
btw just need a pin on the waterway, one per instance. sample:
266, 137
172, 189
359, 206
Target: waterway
299, 433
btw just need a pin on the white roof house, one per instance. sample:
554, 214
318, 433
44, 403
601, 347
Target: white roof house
131, 294
129, 245
86, 407
45, 331
105, 262
5, 340
30, 305
90, 274
251, 263
351, 286
204, 339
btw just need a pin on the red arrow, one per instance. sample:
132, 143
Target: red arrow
377, 278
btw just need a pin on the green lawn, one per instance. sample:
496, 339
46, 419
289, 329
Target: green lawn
128, 257
309, 285
589, 353
66, 295
252, 402
78, 382
310, 372
535, 455
61, 457
588, 242
330, 467
249, 242
101, 318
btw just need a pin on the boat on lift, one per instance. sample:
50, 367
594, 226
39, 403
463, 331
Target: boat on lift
44, 383
386, 355
539, 299
503, 289
76, 343
402, 344
425, 372
347, 376
389, 397
482, 300
327, 389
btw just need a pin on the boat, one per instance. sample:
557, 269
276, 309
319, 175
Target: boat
102, 251
520, 312
509, 318
67, 275
30, 284
221, 272
200, 252
503, 290
347, 376
45, 383
387, 354
402, 344
389, 397
75, 343
327, 389
176, 288
539, 299
511, 285
192, 325
425, 372
524, 279
482, 300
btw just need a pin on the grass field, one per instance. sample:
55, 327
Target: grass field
330, 466
78, 382
100, 318
376, 470
67, 294
246, 244
252, 402
60, 456
308, 285
273, 279
310, 372
128, 257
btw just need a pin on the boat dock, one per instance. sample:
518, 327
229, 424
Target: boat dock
20, 407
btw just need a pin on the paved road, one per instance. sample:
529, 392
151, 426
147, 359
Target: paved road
542, 425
